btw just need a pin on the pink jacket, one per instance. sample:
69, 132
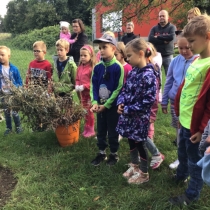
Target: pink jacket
67, 37
83, 76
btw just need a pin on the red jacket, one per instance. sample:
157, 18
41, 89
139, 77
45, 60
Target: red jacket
83, 77
201, 109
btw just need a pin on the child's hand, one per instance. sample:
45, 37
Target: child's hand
101, 108
94, 108
151, 121
165, 111
81, 88
120, 109
207, 150
208, 139
196, 138
77, 88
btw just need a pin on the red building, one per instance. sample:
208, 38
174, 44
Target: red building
113, 21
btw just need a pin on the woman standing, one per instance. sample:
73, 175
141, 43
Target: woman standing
81, 39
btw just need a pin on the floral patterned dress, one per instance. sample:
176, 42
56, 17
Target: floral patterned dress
138, 95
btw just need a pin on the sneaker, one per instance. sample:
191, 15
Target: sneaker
113, 159
99, 158
178, 180
7, 132
139, 178
174, 165
19, 130
133, 168
180, 200
156, 161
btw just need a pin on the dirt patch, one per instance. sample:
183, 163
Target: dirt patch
7, 184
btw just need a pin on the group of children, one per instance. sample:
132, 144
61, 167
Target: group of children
125, 100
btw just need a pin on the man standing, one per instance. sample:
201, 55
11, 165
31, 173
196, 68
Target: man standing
162, 36
130, 35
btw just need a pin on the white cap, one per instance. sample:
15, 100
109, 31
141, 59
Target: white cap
64, 24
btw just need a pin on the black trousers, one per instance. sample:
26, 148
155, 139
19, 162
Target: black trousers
106, 125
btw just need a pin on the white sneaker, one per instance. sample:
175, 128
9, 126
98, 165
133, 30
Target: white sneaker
174, 165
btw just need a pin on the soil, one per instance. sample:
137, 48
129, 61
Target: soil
7, 184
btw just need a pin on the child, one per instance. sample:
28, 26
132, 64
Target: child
192, 105
175, 76
39, 70
134, 105
9, 72
204, 163
120, 56
83, 77
98, 54
64, 73
106, 83
195, 11
65, 32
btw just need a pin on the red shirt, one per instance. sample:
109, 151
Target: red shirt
127, 67
39, 70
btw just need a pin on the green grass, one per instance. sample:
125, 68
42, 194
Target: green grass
55, 178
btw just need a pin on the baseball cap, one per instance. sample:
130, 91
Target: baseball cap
106, 38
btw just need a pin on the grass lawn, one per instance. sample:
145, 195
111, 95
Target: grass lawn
55, 178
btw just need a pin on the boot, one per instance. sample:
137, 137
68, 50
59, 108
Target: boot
89, 132
139, 178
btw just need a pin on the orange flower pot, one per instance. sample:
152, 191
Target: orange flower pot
68, 135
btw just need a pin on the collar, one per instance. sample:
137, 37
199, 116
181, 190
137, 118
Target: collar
130, 34
109, 63
164, 26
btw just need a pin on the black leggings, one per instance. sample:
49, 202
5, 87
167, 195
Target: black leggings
141, 147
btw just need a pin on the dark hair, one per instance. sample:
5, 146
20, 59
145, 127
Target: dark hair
81, 24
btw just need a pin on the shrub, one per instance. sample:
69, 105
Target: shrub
48, 34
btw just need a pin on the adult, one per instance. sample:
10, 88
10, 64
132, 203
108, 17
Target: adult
193, 13
81, 39
162, 36
129, 33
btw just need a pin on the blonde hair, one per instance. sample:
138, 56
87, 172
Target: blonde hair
110, 33
63, 43
121, 48
140, 44
195, 11
6, 48
91, 52
199, 25
40, 44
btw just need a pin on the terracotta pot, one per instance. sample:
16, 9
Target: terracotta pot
68, 135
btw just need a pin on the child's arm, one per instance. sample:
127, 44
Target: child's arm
17, 78
94, 88
148, 93
167, 88
204, 141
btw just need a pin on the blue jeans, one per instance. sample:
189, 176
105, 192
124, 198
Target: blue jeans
188, 155
166, 61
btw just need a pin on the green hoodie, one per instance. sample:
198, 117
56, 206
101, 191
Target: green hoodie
66, 82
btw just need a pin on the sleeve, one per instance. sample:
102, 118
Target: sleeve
168, 37
149, 94
206, 115
168, 85
73, 71
18, 79
87, 83
77, 77
115, 93
49, 70
206, 133
94, 88
154, 40
177, 99
154, 109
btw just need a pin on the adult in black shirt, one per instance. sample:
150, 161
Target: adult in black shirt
129, 33
82, 39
